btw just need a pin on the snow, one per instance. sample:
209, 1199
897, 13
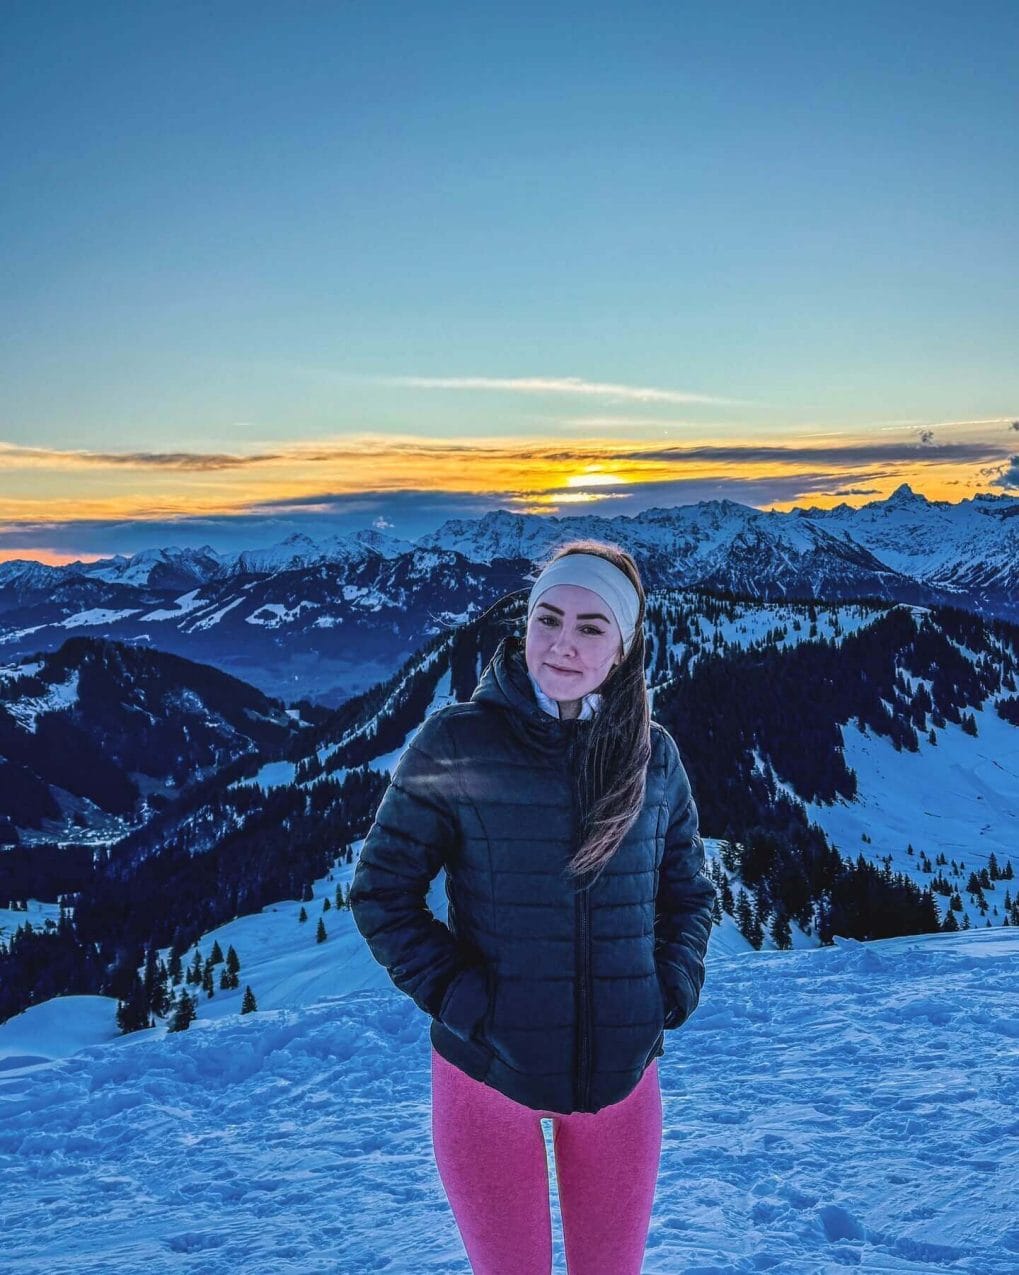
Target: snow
61, 695
182, 605
57, 1028
95, 616
208, 621
852, 1106
37, 915
273, 774
368, 599
9, 672
441, 697
275, 614
959, 796
849, 1106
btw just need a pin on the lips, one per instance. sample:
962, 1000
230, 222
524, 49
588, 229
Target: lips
568, 672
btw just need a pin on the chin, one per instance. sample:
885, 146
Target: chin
564, 685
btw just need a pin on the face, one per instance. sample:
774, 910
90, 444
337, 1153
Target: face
573, 642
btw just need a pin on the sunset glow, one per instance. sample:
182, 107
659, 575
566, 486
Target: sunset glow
633, 265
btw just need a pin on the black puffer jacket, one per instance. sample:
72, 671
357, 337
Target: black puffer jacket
558, 997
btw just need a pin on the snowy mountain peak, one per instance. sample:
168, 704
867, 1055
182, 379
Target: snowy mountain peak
904, 495
380, 542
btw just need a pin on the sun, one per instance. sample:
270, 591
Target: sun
595, 476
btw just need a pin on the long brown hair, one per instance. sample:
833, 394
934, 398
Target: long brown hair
613, 773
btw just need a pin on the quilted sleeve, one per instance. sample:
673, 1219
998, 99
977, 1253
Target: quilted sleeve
414, 830
684, 900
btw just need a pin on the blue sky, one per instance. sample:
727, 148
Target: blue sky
237, 227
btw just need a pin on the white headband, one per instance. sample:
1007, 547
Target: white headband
600, 576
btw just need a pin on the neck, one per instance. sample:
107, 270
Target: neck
569, 708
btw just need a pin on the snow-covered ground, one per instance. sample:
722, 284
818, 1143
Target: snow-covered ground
825, 1108
830, 1108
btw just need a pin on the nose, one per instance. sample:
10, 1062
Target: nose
563, 642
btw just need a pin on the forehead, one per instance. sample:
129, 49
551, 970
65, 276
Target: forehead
574, 600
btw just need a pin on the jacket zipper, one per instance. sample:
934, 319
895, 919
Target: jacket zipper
583, 906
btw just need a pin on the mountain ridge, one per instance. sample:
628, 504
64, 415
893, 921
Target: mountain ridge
327, 619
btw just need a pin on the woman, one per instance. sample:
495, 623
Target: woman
578, 921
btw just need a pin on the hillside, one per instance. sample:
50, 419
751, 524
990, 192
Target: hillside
856, 764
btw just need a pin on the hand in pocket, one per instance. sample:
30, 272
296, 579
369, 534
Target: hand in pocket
466, 1002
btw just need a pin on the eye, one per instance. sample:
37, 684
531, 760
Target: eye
592, 631
547, 620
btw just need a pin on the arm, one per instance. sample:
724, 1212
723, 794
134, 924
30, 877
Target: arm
414, 831
684, 901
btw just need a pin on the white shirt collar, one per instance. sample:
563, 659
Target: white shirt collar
589, 705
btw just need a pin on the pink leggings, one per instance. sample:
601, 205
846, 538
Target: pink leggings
491, 1157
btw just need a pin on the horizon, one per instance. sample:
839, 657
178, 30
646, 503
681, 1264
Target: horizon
385, 265
330, 531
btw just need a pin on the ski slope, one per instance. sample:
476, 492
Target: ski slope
826, 1108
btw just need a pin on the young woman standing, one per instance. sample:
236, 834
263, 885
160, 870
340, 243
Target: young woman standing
578, 922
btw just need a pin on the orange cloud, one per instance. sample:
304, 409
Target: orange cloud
49, 485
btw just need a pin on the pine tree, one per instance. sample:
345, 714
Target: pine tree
320, 933
133, 1014
745, 917
207, 987
302, 915
233, 963
151, 975
159, 998
326, 905
248, 1005
781, 934
217, 953
184, 1014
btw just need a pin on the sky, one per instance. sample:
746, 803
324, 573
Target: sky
272, 268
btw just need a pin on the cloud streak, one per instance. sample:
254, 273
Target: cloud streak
375, 447
53, 457
573, 385
758, 453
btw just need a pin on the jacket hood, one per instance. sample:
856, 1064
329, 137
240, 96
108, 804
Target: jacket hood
505, 685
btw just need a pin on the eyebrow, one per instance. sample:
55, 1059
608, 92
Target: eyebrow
588, 615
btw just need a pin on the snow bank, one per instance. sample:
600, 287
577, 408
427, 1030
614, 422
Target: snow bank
852, 1106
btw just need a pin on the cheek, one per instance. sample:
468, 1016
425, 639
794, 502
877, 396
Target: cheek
608, 654
534, 645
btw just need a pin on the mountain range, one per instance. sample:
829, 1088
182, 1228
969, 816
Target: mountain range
857, 764
325, 620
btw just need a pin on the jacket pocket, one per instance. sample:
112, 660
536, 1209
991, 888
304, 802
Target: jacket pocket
662, 996
657, 1049
466, 1003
